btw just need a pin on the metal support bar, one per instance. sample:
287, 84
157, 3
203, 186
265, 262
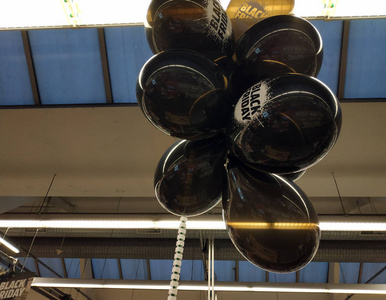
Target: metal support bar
148, 269
343, 59
64, 267
37, 267
105, 65
237, 271
44, 293
120, 268
31, 67
360, 273
333, 272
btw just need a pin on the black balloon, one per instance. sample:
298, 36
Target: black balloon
276, 45
190, 176
184, 94
285, 124
269, 219
293, 176
200, 25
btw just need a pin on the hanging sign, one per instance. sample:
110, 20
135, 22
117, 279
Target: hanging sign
16, 287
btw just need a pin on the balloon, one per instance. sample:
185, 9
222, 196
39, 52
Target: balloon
285, 124
200, 25
276, 45
293, 176
190, 176
244, 14
269, 219
184, 94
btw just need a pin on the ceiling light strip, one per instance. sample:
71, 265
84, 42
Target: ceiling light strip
171, 224
375, 289
9, 245
41, 14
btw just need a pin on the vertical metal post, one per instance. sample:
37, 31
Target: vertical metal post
343, 59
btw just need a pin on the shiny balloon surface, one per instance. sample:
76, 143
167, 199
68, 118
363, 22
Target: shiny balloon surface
293, 176
270, 220
244, 14
190, 176
277, 45
184, 94
200, 25
285, 123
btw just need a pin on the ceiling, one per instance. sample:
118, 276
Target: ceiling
73, 141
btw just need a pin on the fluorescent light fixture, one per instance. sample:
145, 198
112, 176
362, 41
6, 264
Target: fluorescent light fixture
9, 245
40, 14
375, 289
111, 224
340, 8
215, 222
354, 226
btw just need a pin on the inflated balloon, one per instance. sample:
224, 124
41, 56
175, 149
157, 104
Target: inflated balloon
293, 176
285, 124
184, 94
276, 45
200, 25
244, 14
270, 220
190, 176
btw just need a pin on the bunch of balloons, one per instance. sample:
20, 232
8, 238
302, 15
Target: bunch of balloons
250, 117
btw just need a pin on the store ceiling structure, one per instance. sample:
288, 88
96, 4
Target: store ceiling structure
74, 142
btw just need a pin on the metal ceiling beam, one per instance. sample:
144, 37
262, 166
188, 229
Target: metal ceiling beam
343, 251
46, 294
31, 67
360, 100
105, 65
343, 58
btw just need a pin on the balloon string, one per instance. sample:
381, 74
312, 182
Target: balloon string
175, 277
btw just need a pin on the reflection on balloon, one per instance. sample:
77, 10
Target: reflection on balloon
293, 176
184, 94
277, 45
269, 220
200, 25
189, 179
285, 123
244, 14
